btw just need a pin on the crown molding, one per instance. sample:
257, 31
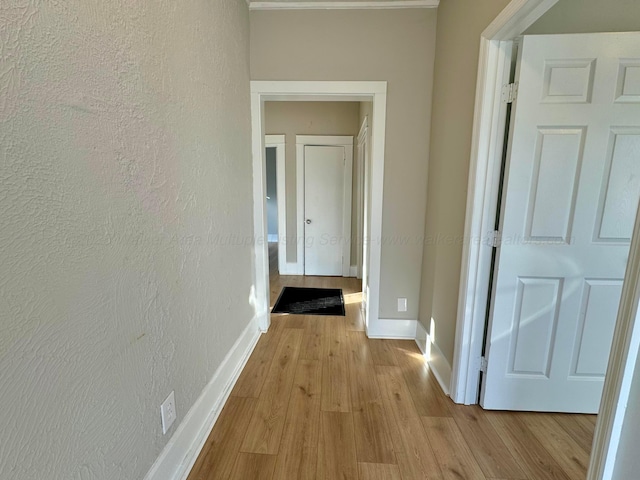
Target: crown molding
342, 5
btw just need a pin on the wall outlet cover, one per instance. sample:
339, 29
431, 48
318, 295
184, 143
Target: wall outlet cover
168, 412
402, 304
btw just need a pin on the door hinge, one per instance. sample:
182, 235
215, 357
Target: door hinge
509, 92
495, 238
483, 364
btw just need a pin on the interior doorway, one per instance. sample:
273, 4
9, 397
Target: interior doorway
374, 92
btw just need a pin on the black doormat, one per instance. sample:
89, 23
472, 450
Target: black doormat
310, 301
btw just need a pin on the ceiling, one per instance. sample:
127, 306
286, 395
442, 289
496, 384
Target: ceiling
339, 4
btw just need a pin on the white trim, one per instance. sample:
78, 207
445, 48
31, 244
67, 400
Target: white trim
474, 287
342, 5
438, 363
346, 209
440, 367
346, 142
375, 91
423, 340
317, 90
484, 171
621, 369
179, 455
400, 329
329, 140
360, 158
353, 271
516, 17
279, 142
299, 208
260, 295
289, 269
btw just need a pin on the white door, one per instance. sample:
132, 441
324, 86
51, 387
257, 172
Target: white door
573, 185
324, 182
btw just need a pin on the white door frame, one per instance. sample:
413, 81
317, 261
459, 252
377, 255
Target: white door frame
331, 141
484, 173
278, 142
348, 91
361, 160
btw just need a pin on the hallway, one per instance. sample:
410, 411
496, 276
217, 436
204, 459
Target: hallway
318, 399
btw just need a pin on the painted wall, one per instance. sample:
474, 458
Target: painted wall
307, 118
125, 150
392, 45
589, 16
272, 191
460, 23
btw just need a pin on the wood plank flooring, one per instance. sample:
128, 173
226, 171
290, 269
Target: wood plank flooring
319, 400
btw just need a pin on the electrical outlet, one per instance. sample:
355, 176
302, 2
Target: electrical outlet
168, 412
402, 304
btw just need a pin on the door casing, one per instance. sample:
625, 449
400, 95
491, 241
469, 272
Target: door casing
362, 159
278, 142
346, 91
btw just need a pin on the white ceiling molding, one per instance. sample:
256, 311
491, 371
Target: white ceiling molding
341, 5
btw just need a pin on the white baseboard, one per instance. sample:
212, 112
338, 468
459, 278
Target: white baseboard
291, 269
392, 329
272, 237
437, 362
180, 454
422, 339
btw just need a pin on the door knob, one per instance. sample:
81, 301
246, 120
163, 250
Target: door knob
308, 221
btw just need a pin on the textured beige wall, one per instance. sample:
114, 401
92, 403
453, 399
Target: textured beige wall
308, 118
460, 23
125, 149
392, 45
589, 16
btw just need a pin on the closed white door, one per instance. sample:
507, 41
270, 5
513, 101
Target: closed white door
572, 190
324, 183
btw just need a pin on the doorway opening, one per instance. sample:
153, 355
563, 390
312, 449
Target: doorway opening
375, 94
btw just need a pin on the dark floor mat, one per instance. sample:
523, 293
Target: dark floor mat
310, 301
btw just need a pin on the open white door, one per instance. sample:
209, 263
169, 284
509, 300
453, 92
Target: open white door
572, 188
325, 192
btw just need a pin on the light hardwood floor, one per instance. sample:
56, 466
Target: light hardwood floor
319, 400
